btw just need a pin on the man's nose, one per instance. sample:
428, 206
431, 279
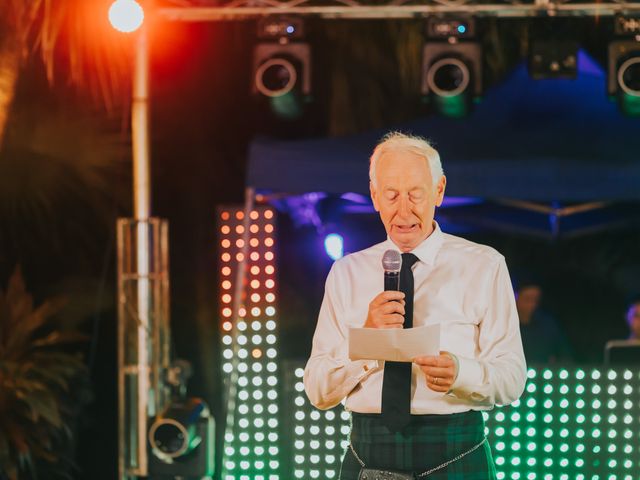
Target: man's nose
404, 209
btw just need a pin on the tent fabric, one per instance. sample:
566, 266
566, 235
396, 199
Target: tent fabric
541, 140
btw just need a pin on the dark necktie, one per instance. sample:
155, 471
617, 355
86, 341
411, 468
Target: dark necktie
396, 383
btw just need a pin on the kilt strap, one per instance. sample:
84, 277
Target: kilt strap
431, 470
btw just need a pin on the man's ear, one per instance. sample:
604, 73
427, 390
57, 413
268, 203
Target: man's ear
374, 196
440, 187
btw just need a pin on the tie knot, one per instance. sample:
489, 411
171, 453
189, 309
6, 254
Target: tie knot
408, 259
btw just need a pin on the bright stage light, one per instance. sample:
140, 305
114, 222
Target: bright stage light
126, 15
334, 245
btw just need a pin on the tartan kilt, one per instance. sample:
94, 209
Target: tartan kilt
428, 441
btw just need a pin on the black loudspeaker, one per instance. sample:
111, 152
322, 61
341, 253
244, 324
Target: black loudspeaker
279, 69
181, 441
624, 68
451, 69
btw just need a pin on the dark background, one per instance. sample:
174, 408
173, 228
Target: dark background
202, 121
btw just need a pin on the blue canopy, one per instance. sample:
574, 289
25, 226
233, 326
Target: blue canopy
538, 140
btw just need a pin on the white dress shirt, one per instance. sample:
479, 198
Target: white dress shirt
461, 285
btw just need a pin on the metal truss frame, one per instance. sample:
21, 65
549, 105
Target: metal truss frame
387, 9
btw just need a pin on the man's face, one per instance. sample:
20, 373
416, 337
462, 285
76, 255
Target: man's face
528, 299
633, 319
406, 198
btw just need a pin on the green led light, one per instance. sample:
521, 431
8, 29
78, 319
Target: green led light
579, 463
548, 418
564, 418
611, 375
580, 448
500, 446
547, 389
580, 374
499, 416
548, 433
580, 403
595, 433
612, 463
547, 374
515, 417
499, 431
531, 417
564, 403
564, 447
612, 418
531, 373
611, 390
564, 389
499, 460
515, 461
596, 418
548, 403
595, 389
531, 461
580, 433
595, 374
515, 446
531, 387
612, 448
531, 432
515, 431
531, 402
531, 446
579, 389
548, 462
548, 447
613, 434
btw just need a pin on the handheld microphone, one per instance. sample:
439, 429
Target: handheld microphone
391, 263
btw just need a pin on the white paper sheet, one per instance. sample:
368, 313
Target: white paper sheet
394, 344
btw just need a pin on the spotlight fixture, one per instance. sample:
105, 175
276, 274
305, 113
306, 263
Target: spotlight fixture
624, 65
451, 65
282, 66
181, 440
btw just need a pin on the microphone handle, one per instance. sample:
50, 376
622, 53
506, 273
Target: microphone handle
391, 281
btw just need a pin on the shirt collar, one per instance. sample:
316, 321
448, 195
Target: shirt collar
428, 249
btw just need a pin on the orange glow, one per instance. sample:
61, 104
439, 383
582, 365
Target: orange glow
270, 297
268, 242
254, 228
269, 283
255, 284
239, 229
226, 298
254, 215
227, 326
239, 257
256, 353
254, 242
226, 285
255, 256
269, 269
255, 297
225, 229
224, 215
225, 243
268, 228
268, 256
255, 270
239, 243
226, 271
268, 214
242, 312
225, 257
239, 215
226, 312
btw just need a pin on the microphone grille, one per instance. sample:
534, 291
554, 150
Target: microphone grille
392, 261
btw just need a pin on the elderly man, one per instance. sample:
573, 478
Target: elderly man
420, 418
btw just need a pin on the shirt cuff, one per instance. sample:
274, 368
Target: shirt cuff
470, 375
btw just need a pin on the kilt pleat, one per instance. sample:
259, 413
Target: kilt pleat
428, 441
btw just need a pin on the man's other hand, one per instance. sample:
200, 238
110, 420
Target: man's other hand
386, 310
440, 371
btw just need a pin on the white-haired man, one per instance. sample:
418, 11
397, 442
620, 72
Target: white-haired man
413, 418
